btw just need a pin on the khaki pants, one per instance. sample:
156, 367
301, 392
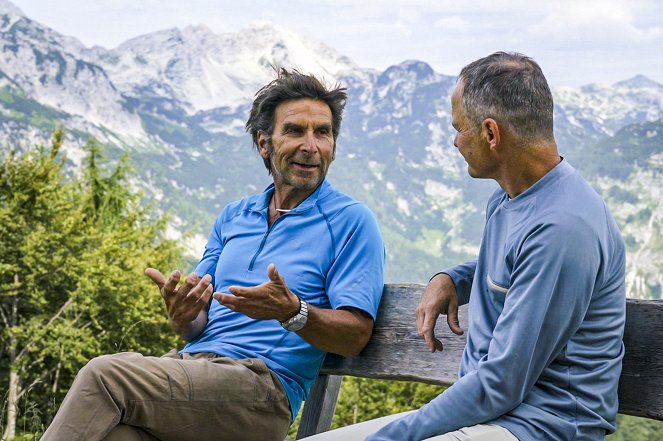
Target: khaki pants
359, 431
128, 397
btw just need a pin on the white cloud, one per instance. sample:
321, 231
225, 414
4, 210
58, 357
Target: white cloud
594, 21
452, 23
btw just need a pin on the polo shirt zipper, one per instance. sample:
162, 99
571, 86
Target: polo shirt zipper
262, 243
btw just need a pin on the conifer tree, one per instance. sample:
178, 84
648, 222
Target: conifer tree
72, 254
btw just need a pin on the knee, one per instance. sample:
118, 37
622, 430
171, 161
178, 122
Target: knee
105, 365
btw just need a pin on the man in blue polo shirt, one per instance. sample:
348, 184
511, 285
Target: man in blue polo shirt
287, 275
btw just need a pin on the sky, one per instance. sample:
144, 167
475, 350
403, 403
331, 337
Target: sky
576, 42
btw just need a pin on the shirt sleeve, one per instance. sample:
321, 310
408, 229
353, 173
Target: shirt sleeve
356, 277
552, 282
462, 276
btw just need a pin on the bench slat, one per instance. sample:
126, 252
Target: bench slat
641, 382
396, 352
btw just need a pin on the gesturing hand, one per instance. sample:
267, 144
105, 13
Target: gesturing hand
183, 303
270, 300
439, 297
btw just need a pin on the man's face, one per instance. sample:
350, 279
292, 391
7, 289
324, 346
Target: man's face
302, 146
468, 140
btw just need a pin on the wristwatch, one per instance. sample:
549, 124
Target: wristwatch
299, 320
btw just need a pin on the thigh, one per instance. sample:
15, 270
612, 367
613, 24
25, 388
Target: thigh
480, 432
356, 432
210, 397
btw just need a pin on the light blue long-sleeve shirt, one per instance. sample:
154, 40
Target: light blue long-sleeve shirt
546, 320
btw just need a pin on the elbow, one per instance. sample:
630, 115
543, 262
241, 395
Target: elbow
357, 345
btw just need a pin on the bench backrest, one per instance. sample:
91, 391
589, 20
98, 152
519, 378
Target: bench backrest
396, 352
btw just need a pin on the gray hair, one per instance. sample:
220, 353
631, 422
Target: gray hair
512, 89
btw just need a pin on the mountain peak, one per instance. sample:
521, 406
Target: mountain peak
262, 24
638, 81
8, 8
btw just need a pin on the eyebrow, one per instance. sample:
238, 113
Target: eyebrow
287, 126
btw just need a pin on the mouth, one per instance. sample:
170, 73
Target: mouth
304, 166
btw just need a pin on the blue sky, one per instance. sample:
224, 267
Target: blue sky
576, 41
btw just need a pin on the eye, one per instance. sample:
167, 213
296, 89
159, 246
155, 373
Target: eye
293, 130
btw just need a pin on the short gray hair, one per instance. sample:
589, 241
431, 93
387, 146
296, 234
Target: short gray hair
512, 89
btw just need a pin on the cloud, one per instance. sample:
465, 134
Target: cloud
452, 23
598, 21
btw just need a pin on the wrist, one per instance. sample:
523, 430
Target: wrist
299, 319
294, 305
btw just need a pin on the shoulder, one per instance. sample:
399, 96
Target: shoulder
340, 209
238, 207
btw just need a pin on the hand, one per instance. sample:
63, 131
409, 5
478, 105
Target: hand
270, 300
183, 303
439, 297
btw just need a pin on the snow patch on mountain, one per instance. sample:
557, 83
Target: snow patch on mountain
204, 70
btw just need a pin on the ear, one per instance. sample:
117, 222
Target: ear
490, 131
334, 151
263, 148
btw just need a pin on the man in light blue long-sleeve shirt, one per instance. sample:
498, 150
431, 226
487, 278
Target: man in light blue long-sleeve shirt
546, 293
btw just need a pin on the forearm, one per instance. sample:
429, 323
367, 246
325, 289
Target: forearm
341, 331
190, 330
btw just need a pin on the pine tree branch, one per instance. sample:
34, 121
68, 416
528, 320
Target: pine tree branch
38, 335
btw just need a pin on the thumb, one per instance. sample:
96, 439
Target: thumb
273, 274
453, 322
156, 277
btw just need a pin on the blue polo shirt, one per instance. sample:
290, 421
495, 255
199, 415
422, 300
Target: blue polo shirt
328, 249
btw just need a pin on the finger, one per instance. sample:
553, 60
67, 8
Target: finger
207, 294
452, 320
428, 331
274, 275
243, 291
171, 283
156, 277
419, 314
190, 283
199, 290
227, 300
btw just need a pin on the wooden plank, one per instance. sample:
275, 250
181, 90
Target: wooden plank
396, 352
641, 382
319, 409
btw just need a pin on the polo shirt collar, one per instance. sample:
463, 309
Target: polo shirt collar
262, 201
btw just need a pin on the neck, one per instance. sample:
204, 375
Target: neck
284, 200
527, 167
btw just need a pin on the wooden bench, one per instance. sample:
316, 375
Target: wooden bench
395, 352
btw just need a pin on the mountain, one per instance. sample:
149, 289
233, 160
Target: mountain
177, 101
203, 71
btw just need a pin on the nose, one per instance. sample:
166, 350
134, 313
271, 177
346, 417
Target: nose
456, 141
309, 143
